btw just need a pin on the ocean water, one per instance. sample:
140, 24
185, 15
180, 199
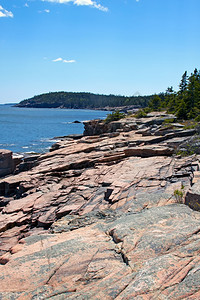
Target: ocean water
27, 130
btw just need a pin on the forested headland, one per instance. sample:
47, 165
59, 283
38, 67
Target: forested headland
82, 101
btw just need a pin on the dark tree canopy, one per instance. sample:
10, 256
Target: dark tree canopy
186, 102
82, 101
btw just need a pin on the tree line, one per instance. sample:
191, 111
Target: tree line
185, 103
82, 101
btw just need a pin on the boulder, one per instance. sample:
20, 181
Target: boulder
6, 162
17, 159
192, 198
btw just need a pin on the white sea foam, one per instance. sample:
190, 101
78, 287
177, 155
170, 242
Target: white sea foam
49, 140
7, 145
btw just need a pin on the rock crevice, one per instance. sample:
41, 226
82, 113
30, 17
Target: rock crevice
111, 216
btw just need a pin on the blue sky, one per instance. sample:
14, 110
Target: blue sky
103, 46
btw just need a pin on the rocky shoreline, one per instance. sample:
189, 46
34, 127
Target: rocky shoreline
110, 215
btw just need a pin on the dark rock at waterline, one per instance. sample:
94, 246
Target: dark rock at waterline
66, 138
70, 136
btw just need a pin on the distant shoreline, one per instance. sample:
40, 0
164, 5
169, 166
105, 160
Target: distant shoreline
108, 109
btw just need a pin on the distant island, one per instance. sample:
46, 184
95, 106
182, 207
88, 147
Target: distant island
72, 100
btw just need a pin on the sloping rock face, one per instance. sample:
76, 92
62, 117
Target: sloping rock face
103, 217
148, 255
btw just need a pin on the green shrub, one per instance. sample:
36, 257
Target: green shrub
155, 103
168, 121
179, 195
197, 119
114, 116
147, 110
140, 114
190, 125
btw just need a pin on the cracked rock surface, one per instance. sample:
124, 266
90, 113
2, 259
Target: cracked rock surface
98, 218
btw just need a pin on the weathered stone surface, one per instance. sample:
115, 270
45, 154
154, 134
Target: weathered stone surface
192, 198
24, 204
47, 218
98, 219
154, 253
10, 220
17, 159
147, 151
11, 185
6, 162
65, 210
10, 237
97, 127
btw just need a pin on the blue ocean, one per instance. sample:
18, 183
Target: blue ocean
28, 130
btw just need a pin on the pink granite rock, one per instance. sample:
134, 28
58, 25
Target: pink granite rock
98, 219
6, 162
153, 253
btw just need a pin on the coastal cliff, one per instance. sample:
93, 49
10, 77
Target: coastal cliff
111, 215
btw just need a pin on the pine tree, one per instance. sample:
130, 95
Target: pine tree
186, 102
155, 103
181, 110
192, 97
183, 83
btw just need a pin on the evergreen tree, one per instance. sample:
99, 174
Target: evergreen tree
186, 102
192, 95
181, 110
183, 83
169, 99
155, 103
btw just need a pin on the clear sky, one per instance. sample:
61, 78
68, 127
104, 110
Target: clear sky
101, 46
